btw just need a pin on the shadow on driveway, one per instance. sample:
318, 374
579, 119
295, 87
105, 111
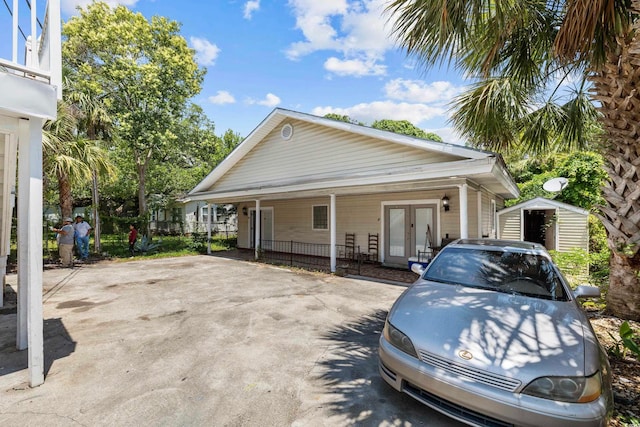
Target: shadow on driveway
362, 395
57, 344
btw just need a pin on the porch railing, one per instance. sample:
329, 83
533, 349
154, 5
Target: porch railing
39, 37
315, 256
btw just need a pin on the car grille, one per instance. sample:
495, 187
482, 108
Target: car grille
477, 375
453, 410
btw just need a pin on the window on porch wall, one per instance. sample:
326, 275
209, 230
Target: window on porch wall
320, 217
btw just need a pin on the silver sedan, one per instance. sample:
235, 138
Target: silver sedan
492, 335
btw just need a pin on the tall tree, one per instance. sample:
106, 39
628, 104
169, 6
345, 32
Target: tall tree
68, 156
520, 50
94, 123
405, 127
144, 70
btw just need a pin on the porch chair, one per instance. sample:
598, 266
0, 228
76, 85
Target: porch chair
372, 249
350, 245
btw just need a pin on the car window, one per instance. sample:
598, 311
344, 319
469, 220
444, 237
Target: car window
503, 271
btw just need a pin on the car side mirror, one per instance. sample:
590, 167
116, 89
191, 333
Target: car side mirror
417, 268
586, 291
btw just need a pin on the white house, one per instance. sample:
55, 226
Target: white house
321, 181
30, 85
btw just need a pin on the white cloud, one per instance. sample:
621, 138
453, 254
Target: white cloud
206, 52
354, 67
69, 6
222, 97
421, 91
270, 100
250, 7
356, 29
378, 110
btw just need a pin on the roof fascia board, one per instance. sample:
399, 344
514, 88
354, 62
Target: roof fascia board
541, 203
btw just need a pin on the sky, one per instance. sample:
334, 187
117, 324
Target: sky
312, 56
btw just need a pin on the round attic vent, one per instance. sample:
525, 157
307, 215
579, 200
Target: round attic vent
286, 132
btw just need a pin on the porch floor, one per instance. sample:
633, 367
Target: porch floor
373, 271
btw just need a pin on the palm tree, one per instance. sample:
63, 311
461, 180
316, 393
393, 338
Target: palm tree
521, 52
70, 157
60, 154
94, 122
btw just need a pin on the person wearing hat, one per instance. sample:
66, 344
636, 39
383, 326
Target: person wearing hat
83, 229
65, 243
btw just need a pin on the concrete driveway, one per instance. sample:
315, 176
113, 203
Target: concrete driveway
206, 341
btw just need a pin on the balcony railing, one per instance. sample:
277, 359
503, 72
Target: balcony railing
35, 34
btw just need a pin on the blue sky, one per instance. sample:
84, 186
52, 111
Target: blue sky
313, 56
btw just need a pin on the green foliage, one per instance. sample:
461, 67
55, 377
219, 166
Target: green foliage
584, 170
146, 245
573, 264
599, 253
341, 118
198, 243
144, 71
628, 340
404, 127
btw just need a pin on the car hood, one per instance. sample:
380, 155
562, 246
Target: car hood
511, 335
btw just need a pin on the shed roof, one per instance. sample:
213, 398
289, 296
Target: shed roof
541, 203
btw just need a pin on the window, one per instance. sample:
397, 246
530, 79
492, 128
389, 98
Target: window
320, 217
493, 219
204, 211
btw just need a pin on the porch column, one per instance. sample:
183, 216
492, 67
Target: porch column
208, 228
464, 211
256, 238
332, 232
30, 322
479, 193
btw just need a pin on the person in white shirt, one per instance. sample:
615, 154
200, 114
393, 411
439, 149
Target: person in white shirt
82, 232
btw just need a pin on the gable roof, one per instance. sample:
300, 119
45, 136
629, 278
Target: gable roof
460, 159
541, 203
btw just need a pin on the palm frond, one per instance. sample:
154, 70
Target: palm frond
487, 113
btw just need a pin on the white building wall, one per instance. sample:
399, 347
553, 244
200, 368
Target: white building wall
315, 151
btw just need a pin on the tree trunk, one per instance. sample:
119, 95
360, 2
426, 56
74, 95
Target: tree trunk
96, 212
64, 195
623, 298
142, 199
616, 87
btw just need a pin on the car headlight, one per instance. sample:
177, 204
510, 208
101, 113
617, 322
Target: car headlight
567, 389
398, 339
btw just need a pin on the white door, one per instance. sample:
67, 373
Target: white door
408, 230
266, 228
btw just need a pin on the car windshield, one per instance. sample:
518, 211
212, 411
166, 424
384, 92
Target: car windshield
502, 271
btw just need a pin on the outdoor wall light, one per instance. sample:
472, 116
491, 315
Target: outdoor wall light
244, 210
445, 203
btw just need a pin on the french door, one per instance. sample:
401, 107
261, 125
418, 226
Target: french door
408, 229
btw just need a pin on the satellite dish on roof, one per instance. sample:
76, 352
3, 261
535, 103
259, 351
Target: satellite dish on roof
555, 185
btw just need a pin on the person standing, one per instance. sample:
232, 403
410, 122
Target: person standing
133, 236
82, 231
65, 242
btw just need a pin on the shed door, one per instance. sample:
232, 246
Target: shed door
540, 227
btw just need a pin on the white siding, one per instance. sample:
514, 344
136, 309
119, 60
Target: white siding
509, 225
573, 229
315, 151
354, 214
